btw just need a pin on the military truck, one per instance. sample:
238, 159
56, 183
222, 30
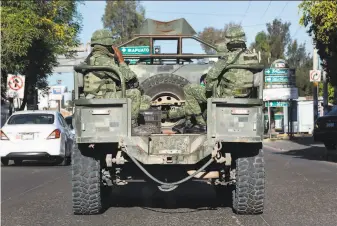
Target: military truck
228, 155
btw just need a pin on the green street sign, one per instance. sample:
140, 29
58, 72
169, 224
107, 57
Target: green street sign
276, 71
276, 104
135, 50
277, 79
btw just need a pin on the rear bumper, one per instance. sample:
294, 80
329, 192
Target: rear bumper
50, 147
28, 155
322, 136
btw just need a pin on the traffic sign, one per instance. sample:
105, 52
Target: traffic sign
315, 75
276, 71
15, 86
276, 104
277, 79
135, 50
157, 50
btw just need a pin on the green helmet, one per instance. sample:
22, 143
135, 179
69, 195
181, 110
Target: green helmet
279, 63
102, 37
235, 35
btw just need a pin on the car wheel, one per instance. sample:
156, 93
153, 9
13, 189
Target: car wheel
330, 146
5, 162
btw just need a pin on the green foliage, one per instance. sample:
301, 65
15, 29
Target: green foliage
33, 34
320, 17
330, 92
272, 43
212, 35
124, 19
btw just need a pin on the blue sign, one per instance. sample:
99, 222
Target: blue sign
276, 71
277, 79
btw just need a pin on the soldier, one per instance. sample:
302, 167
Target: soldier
234, 83
103, 84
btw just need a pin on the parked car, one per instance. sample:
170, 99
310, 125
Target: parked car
36, 135
325, 130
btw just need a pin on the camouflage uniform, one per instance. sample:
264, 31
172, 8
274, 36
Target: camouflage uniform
103, 84
233, 83
145, 102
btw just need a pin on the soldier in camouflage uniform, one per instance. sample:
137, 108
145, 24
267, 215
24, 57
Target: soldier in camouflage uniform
234, 83
103, 84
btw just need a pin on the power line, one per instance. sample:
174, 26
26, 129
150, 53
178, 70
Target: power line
283, 8
266, 10
246, 11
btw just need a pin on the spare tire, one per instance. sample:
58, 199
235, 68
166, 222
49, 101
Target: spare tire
162, 84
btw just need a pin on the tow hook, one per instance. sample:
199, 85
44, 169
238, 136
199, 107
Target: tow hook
217, 155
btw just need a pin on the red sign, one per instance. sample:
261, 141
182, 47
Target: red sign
15, 83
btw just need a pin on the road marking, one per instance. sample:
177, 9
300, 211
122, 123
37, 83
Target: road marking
264, 220
34, 188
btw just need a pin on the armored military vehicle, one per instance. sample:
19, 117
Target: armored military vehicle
105, 153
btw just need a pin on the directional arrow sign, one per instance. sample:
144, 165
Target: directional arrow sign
277, 79
315, 75
276, 71
135, 50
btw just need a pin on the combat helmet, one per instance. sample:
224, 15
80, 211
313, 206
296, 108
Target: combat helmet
235, 35
279, 63
102, 37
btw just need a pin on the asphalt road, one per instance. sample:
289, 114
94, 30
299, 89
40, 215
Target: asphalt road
301, 189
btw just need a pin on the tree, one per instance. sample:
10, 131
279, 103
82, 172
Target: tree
212, 35
262, 44
272, 44
330, 92
124, 19
320, 17
298, 58
33, 34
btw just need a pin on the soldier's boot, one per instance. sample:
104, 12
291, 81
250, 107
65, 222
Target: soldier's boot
181, 127
198, 128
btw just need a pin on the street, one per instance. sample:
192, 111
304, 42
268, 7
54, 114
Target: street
301, 189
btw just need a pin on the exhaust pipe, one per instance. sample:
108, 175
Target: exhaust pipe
205, 175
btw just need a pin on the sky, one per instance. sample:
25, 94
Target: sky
253, 15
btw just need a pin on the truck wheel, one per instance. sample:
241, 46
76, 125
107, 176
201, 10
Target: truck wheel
163, 84
86, 182
248, 195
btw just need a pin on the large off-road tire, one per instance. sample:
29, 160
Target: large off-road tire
86, 182
164, 83
248, 195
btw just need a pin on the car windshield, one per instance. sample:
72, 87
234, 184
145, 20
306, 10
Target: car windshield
31, 119
333, 112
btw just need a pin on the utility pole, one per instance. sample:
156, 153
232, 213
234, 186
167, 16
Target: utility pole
315, 84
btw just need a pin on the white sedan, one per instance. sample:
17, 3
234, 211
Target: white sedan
36, 135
